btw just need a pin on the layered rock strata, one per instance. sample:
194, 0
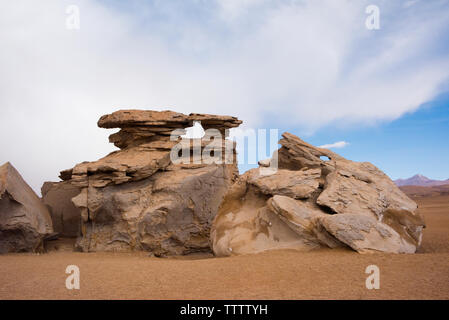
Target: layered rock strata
159, 192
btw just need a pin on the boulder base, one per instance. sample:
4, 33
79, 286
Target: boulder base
24, 221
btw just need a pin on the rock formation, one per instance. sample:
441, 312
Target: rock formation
169, 194
66, 218
157, 193
24, 221
315, 199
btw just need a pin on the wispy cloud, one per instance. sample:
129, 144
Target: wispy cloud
335, 145
409, 3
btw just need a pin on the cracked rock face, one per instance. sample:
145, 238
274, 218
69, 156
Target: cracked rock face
315, 199
57, 196
296, 184
137, 198
24, 221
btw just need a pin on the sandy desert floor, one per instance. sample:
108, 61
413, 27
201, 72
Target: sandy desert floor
322, 274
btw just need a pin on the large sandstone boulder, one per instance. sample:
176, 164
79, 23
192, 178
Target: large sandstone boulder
159, 192
245, 224
24, 221
170, 212
318, 199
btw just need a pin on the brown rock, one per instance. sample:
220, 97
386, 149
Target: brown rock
137, 198
342, 203
143, 126
303, 218
168, 213
245, 224
296, 154
361, 188
140, 118
130, 164
366, 234
65, 216
24, 220
295, 184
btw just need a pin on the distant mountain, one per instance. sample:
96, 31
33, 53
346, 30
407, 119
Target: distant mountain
420, 180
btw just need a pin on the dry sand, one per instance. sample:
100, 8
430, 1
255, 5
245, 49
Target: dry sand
286, 274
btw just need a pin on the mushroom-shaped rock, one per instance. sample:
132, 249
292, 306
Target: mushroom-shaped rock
161, 191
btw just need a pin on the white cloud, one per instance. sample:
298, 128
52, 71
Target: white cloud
335, 145
408, 4
302, 64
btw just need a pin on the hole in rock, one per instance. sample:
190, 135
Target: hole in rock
189, 153
326, 209
194, 132
324, 158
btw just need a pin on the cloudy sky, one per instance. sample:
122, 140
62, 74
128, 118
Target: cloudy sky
308, 67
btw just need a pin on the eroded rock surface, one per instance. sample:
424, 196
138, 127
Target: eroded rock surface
66, 218
159, 193
24, 221
245, 224
140, 197
296, 184
366, 234
318, 199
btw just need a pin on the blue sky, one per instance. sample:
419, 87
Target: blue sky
417, 142
304, 66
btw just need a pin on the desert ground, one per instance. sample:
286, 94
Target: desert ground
284, 274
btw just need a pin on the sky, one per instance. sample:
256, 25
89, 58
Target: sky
311, 68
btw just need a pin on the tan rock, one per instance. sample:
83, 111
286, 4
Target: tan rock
66, 218
361, 188
303, 218
168, 213
343, 203
295, 184
245, 224
296, 154
157, 193
145, 143
131, 164
24, 220
143, 126
366, 234
140, 118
